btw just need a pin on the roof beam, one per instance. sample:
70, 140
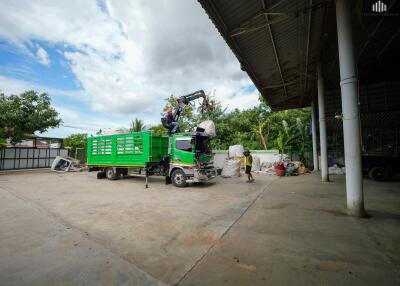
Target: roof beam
372, 35
208, 5
280, 85
366, 43
275, 51
388, 43
307, 53
248, 25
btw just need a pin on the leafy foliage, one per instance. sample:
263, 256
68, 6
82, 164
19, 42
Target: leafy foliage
137, 125
159, 130
254, 128
75, 141
26, 113
3, 141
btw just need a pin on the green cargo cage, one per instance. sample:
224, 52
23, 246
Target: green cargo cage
126, 150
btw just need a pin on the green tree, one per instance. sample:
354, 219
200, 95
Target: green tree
159, 130
25, 114
137, 125
74, 141
254, 128
3, 141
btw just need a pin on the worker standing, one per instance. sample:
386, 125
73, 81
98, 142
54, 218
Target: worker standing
249, 162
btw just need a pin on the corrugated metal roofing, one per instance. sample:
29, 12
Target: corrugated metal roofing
270, 39
280, 42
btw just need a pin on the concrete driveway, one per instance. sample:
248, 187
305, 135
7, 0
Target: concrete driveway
72, 229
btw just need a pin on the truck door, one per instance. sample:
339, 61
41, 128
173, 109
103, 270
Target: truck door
182, 151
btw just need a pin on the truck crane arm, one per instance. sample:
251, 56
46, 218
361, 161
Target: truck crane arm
186, 99
182, 102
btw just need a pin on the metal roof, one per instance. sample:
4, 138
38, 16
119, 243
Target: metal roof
280, 42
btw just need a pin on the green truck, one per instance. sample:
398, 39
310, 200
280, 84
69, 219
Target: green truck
181, 158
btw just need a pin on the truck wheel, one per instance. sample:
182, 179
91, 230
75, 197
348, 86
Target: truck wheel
179, 178
379, 174
111, 174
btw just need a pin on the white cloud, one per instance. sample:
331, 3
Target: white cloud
76, 122
14, 86
42, 56
130, 55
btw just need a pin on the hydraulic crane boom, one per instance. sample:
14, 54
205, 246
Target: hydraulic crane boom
185, 99
182, 102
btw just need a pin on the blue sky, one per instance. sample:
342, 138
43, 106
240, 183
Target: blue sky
21, 65
105, 63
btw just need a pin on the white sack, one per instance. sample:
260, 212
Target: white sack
236, 151
209, 128
336, 170
256, 165
231, 168
109, 131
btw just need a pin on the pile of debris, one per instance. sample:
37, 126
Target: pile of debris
279, 165
336, 170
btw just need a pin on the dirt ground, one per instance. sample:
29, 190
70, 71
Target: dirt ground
72, 229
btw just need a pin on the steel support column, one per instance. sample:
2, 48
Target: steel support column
314, 136
322, 126
350, 109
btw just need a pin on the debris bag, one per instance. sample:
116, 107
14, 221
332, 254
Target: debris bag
299, 167
110, 131
336, 170
281, 158
290, 169
209, 128
256, 165
65, 164
266, 166
231, 168
242, 161
236, 151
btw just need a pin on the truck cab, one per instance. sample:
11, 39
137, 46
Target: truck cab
191, 159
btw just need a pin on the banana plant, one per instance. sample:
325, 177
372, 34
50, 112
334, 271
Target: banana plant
286, 137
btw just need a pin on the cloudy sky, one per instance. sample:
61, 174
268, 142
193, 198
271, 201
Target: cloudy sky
107, 62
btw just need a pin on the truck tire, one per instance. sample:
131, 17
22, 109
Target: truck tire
179, 178
111, 173
379, 173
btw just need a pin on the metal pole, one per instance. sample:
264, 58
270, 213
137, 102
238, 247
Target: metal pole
314, 136
147, 176
322, 126
350, 110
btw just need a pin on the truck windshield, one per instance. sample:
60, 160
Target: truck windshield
184, 145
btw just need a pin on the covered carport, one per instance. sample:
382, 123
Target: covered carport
319, 53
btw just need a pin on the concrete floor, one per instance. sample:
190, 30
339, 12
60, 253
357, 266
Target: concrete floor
72, 229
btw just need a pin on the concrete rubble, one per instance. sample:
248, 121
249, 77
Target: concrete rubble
235, 153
